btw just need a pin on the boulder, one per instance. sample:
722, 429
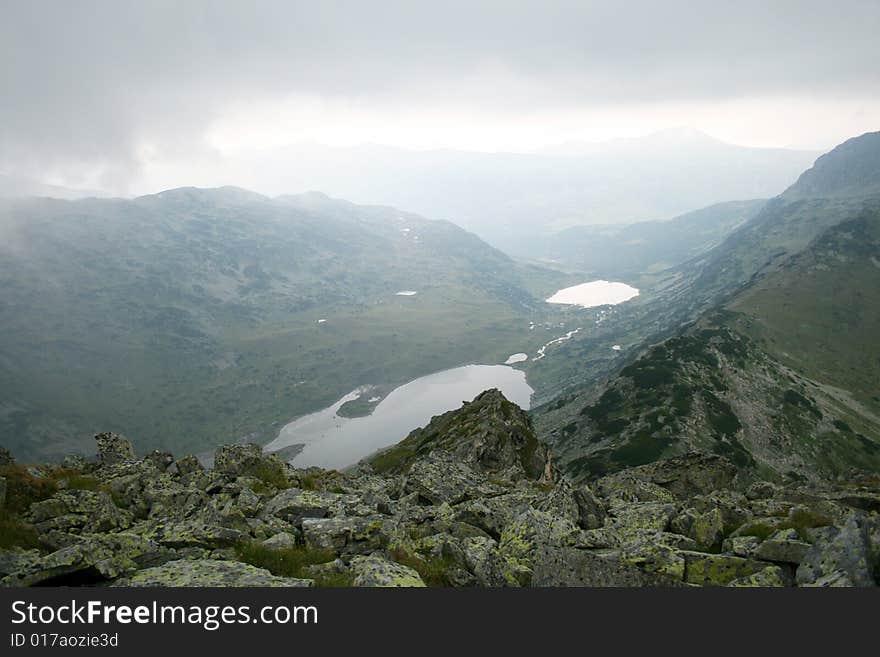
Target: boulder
375, 571
591, 511
694, 473
439, 478
840, 556
91, 560
75, 510
345, 535
771, 576
717, 569
209, 572
524, 540
113, 449
784, 546
566, 566
280, 541
294, 504
188, 464
239, 460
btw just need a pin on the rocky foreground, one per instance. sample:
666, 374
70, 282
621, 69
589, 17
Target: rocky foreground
473, 499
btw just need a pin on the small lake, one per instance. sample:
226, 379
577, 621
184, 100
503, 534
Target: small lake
332, 441
594, 293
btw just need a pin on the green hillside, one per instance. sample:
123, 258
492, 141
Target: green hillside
776, 366
191, 317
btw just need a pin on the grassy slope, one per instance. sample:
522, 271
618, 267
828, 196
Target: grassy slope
190, 318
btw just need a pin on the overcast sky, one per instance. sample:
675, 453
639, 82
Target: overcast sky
118, 94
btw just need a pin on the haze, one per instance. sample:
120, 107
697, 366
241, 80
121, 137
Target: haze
130, 98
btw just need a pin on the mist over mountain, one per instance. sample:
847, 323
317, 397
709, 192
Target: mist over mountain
509, 199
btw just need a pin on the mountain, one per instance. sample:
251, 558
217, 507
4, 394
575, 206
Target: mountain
631, 250
193, 316
511, 199
776, 365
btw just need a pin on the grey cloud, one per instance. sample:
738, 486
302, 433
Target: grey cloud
84, 82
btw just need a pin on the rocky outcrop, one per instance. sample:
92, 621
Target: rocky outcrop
471, 500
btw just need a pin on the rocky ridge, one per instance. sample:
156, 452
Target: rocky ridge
472, 499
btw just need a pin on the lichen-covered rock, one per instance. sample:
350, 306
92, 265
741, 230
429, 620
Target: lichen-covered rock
523, 542
591, 511
190, 533
90, 560
159, 459
694, 473
17, 559
784, 546
188, 464
653, 555
294, 504
717, 569
741, 546
567, 566
280, 541
482, 559
209, 572
440, 478
840, 556
491, 514
625, 488
239, 460
771, 576
345, 535
375, 571
79, 511
113, 449
631, 519
706, 529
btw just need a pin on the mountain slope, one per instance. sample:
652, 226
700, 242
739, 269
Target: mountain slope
192, 316
779, 371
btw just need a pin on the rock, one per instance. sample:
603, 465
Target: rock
440, 478
717, 569
625, 488
591, 511
345, 535
695, 473
491, 514
566, 566
524, 540
741, 546
771, 576
652, 555
79, 511
16, 559
840, 556
761, 490
280, 541
75, 462
191, 533
482, 559
113, 449
90, 560
706, 529
631, 519
188, 465
374, 571
294, 504
239, 460
159, 459
209, 572
784, 546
